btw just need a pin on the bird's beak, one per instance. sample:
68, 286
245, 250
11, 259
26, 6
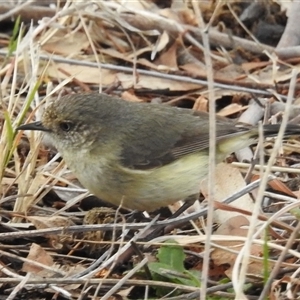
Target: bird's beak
33, 126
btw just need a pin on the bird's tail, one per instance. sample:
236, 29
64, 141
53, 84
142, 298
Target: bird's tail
273, 129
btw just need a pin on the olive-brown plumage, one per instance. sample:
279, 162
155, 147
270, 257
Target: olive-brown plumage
141, 155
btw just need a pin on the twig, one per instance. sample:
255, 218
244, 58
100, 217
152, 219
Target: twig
18, 287
273, 168
239, 273
124, 279
277, 266
13, 10
188, 79
136, 226
44, 282
212, 152
291, 34
89, 273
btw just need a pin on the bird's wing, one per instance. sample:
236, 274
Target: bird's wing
163, 146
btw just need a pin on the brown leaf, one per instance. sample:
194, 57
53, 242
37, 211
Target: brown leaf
228, 180
234, 227
279, 186
57, 241
130, 97
169, 58
50, 222
231, 109
201, 103
64, 42
38, 254
83, 73
149, 82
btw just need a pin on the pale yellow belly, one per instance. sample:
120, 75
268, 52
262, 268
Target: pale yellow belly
147, 190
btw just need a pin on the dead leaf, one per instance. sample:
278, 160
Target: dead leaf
228, 180
254, 65
230, 72
31, 187
50, 222
57, 241
194, 69
130, 97
38, 254
181, 15
83, 73
286, 6
236, 226
64, 42
279, 186
231, 109
169, 58
161, 43
149, 82
201, 103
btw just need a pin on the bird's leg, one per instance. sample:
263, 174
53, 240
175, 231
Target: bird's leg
188, 201
165, 229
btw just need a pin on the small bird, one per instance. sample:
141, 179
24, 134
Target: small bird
141, 155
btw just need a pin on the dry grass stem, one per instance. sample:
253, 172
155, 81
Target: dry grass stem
207, 56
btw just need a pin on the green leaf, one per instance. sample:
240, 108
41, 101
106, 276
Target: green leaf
181, 277
171, 268
266, 264
30, 98
9, 139
12, 46
172, 255
295, 212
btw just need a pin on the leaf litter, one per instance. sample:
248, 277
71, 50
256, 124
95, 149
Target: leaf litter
56, 241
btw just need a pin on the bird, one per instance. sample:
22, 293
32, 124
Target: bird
141, 156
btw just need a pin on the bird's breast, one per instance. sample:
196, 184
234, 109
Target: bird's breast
140, 189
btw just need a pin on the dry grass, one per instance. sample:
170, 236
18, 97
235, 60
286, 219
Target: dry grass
140, 52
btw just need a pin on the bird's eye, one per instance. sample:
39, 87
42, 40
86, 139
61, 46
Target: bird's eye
66, 126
